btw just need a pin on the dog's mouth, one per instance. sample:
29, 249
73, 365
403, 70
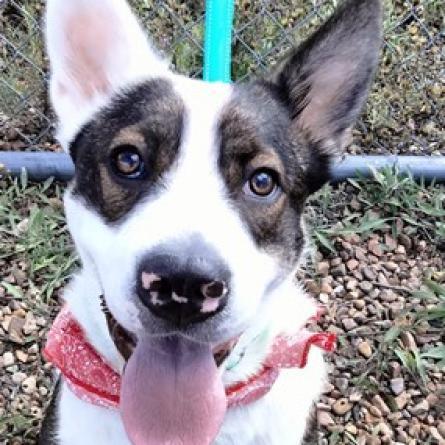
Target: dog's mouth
126, 342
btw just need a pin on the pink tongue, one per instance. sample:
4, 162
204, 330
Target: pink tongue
172, 393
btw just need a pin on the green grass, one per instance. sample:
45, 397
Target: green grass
34, 238
392, 195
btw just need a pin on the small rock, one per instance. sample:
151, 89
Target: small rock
29, 385
396, 369
402, 400
351, 429
15, 329
335, 428
336, 262
405, 241
381, 279
312, 287
441, 428
397, 385
22, 356
18, 377
414, 429
361, 440
432, 399
401, 435
366, 286
375, 411
364, 349
372, 440
324, 298
341, 406
325, 287
352, 264
384, 429
355, 396
400, 250
323, 268
381, 405
339, 271
30, 325
369, 273
390, 242
324, 418
359, 304
8, 359
375, 248
391, 266
421, 408
388, 295
352, 284
34, 349
342, 384
434, 433
349, 324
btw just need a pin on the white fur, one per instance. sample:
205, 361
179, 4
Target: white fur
192, 202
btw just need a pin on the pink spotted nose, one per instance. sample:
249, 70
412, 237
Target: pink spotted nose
183, 291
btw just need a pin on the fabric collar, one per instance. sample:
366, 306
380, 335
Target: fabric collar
93, 380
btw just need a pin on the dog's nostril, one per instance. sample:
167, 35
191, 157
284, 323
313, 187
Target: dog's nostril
214, 289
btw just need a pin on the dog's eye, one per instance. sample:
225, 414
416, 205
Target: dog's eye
262, 183
127, 161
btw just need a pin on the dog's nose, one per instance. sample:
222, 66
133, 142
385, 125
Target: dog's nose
183, 290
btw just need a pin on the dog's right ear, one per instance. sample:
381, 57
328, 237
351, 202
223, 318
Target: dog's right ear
95, 47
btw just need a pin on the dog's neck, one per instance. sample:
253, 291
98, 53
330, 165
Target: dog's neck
289, 312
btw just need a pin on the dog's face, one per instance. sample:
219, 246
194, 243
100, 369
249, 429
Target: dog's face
188, 196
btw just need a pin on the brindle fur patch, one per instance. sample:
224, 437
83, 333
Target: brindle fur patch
250, 140
148, 117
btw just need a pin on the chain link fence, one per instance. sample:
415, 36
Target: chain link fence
405, 112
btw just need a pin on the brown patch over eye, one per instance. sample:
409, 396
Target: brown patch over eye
122, 154
261, 166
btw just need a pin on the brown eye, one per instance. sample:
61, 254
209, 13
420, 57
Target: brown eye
127, 161
262, 183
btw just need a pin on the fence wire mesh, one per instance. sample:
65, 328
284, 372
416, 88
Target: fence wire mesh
405, 112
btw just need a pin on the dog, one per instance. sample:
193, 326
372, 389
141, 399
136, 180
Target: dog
184, 322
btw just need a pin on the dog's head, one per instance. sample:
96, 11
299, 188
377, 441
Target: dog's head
188, 196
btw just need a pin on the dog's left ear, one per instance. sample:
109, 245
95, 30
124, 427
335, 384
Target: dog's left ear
326, 80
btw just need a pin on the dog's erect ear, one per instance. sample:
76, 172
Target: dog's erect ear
325, 81
95, 48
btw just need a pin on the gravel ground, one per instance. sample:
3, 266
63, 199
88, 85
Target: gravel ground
379, 269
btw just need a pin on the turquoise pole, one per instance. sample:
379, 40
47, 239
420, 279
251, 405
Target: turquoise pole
218, 40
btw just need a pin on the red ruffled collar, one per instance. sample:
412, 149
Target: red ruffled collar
94, 381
